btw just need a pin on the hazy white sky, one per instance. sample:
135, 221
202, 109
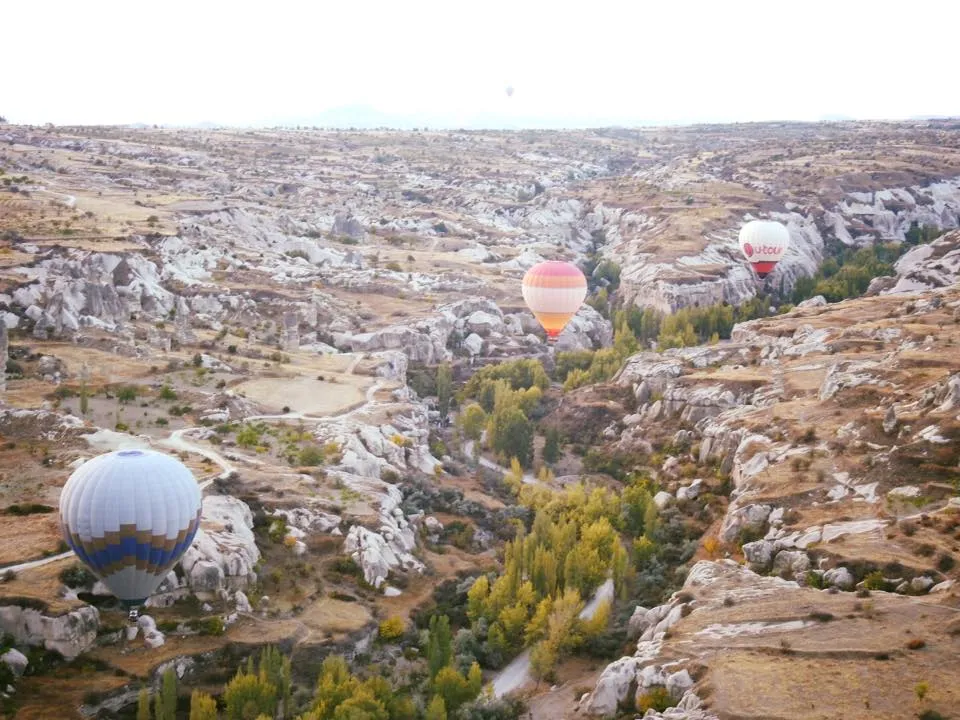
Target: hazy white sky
628, 61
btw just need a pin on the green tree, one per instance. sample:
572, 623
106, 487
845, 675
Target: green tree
650, 520
477, 598
636, 499
543, 659
168, 691
362, 705
247, 696
437, 709
444, 388
334, 685
439, 645
143, 705
454, 688
202, 706
275, 669
472, 422
511, 435
551, 448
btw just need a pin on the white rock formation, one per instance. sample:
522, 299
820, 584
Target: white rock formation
69, 634
224, 552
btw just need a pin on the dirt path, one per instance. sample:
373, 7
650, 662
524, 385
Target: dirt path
491, 465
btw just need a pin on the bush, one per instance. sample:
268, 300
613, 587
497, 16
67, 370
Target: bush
655, 699
167, 393
311, 455
127, 394
28, 509
392, 629
77, 576
212, 626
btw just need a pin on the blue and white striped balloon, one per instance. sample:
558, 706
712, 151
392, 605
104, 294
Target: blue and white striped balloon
129, 516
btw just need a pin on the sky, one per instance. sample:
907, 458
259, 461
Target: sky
448, 63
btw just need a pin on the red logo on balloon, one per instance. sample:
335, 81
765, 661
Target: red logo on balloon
748, 249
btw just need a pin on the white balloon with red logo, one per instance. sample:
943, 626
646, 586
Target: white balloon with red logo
763, 243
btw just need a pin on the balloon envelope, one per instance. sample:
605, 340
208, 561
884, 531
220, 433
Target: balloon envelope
554, 291
129, 516
763, 243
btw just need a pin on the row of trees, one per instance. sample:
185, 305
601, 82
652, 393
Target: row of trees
262, 691
259, 691
575, 543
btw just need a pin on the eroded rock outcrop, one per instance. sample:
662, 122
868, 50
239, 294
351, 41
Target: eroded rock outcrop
69, 634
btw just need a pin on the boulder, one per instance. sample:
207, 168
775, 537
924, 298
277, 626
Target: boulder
612, 687
691, 491
241, 602
751, 519
638, 622
662, 499
839, 578
678, 684
16, 661
473, 344
759, 554
791, 563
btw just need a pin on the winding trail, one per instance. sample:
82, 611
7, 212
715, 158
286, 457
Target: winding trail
491, 465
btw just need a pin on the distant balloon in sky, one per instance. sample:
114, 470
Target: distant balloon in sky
509, 90
554, 291
763, 243
129, 516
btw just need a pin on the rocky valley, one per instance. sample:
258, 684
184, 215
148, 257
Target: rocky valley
730, 498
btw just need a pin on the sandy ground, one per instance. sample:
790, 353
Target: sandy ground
305, 395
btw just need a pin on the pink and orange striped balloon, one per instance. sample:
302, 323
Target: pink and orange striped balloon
554, 291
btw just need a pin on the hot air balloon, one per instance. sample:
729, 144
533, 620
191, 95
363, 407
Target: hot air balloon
129, 516
554, 291
763, 242
509, 90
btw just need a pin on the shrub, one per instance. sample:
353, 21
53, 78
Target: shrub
212, 626
167, 393
77, 576
655, 699
127, 394
874, 581
916, 644
311, 455
28, 509
392, 629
